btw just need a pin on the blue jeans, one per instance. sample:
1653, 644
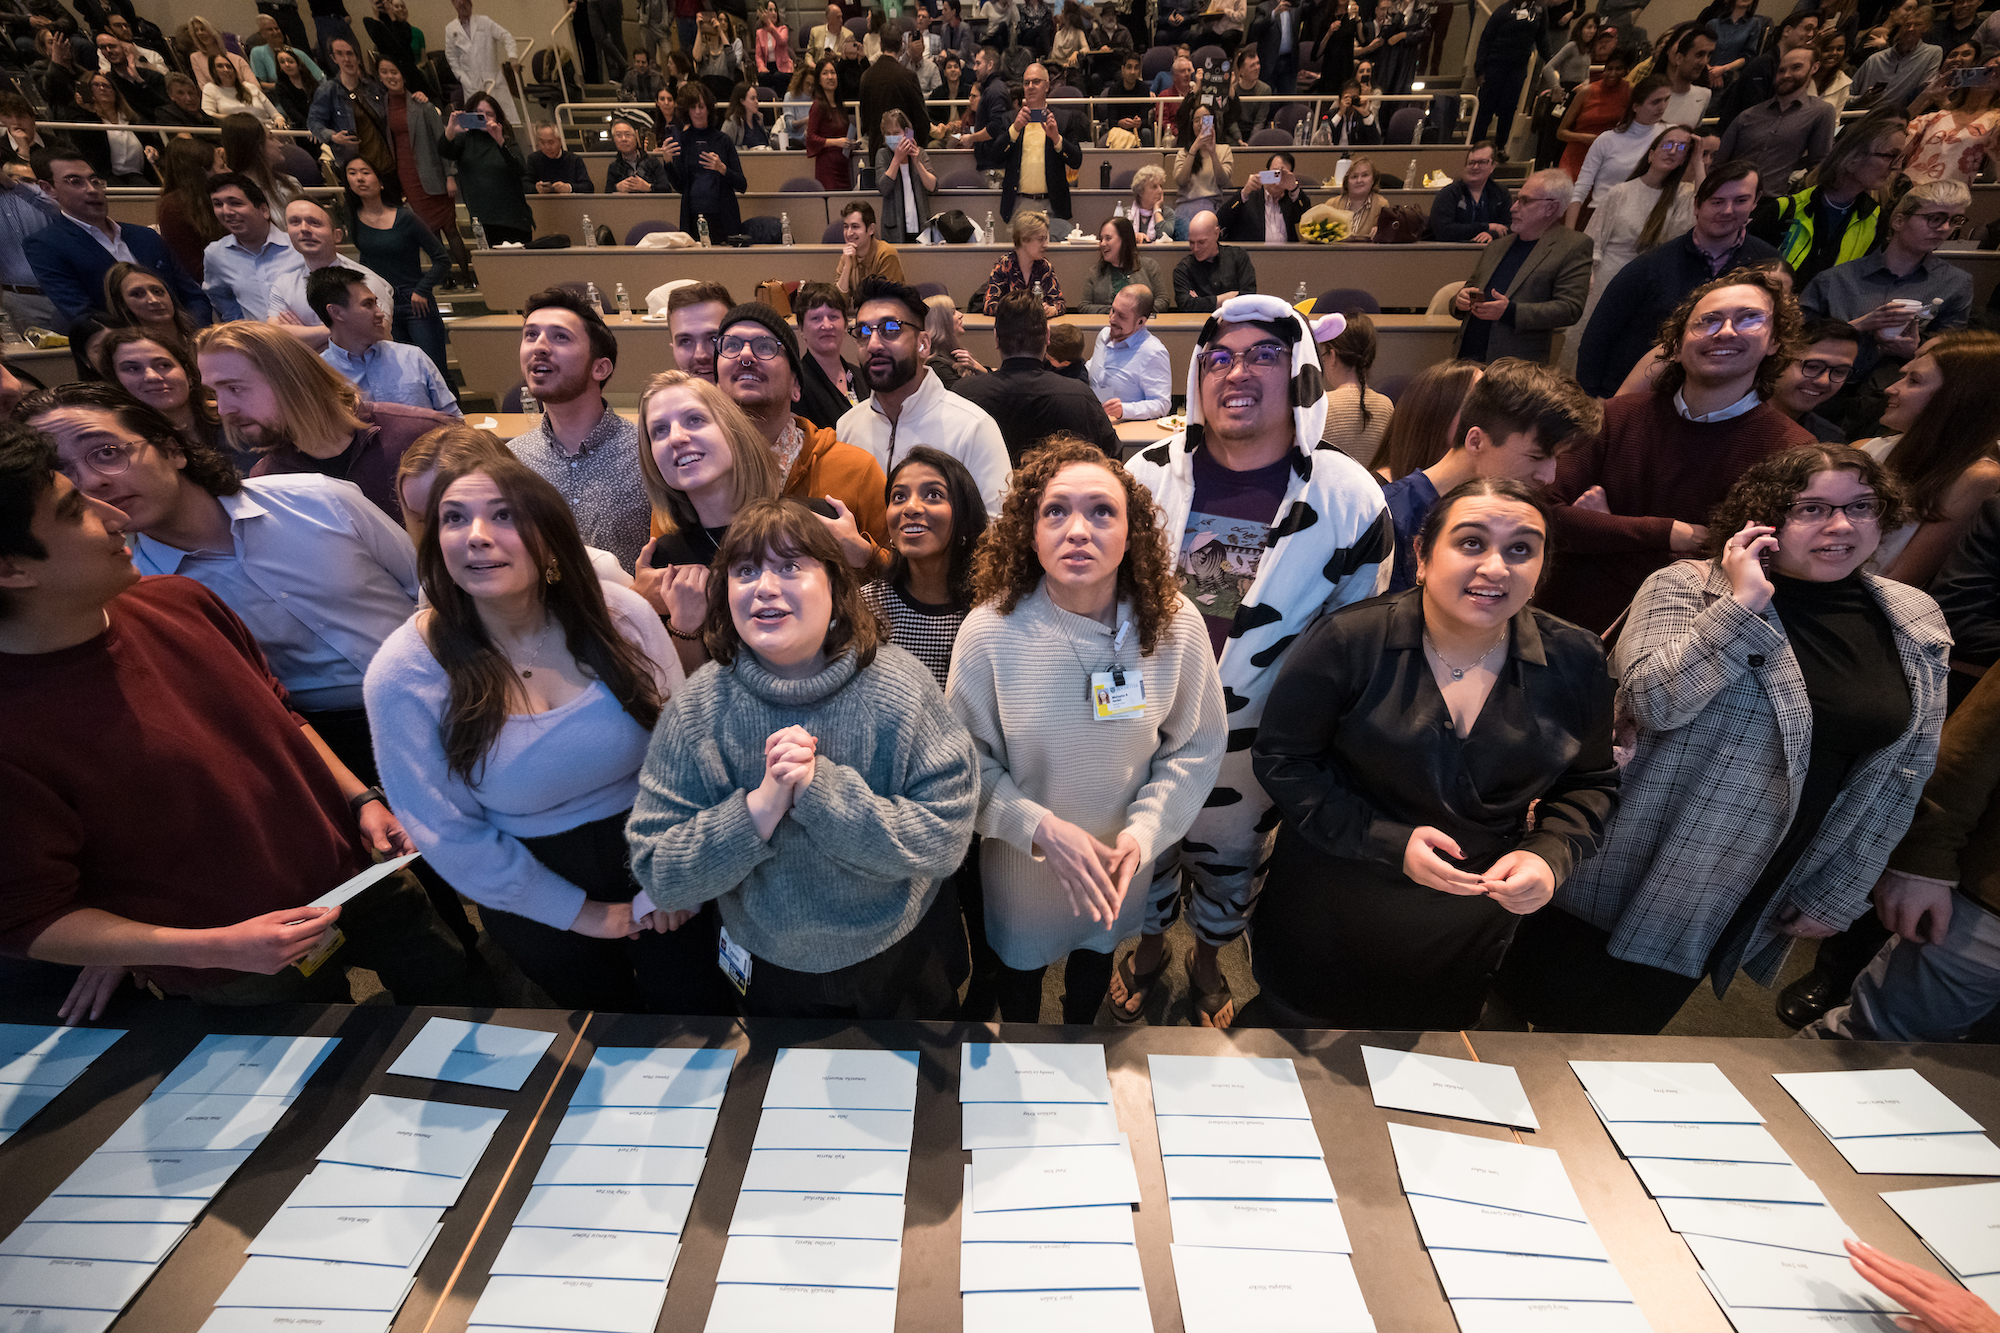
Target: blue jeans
424, 332
1925, 992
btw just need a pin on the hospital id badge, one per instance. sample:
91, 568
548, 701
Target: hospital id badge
734, 960
1117, 693
312, 961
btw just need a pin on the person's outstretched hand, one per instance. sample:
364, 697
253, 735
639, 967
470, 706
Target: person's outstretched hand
1936, 1304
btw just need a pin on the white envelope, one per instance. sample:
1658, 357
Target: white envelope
742, 1308
1986, 1286
351, 888
587, 1304
1036, 1124
1852, 1103
176, 1123
1746, 1274
390, 1236
112, 1208
1662, 1090
190, 1175
1481, 1316
487, 1055
81, 1284
1491, 1275
1446, 1224
1236, 1136
1749, 1319
1489, 1171
859, 1216
1696, 1142
1673, 1177
43, 1319
1226, 1085
50, 1056
1046, 1266
582, 1164
1004, 1178
1032, 1072
311, 1284
1922, 1155
1797, 1226
827, 1171
1248, 1178
125, 1242
551, 1252
1107, 1223
637, 1126
1257, 1224
1112, 1310
248, 1066
22, 1102
657, 1208
1439, 1085
337, 1185
403, 1134
854, 1130
1960, 1222
651, 1076
812, 1261
870, 1080
1229, 1291
248, 1319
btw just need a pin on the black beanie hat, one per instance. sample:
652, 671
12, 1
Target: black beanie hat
756, 312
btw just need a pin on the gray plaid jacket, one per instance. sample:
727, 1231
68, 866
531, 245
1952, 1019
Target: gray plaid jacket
1725, 731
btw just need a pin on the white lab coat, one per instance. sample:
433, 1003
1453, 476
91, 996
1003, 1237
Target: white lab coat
475, 56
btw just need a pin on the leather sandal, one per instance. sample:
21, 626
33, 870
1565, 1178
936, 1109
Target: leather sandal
1212, 1008
1138, 985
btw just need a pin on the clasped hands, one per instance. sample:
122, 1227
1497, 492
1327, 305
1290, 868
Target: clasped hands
1095, 876
1520, 881
790, 754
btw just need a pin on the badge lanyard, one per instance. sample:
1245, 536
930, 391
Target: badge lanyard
1115, 692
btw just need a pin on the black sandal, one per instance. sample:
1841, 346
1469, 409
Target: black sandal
1138, 985
1212, 1008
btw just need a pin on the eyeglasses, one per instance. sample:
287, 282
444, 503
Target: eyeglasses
106, 460
1865, 510
888, 328
1263, 356
764, 347
1744, 321
1834, 372
1534, 199
1953, 220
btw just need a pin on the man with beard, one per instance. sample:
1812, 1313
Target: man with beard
582, 447
694, 316
757, 365
907, 405
1792, 130
275, 396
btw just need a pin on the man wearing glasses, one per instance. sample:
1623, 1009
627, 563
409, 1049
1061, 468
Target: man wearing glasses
1839, 218
1528, 283
1816, 375
72, 256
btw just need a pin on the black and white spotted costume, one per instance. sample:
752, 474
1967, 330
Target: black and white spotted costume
1332, 545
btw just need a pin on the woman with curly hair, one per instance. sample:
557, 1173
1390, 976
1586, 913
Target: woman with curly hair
1787, 707
1089, 687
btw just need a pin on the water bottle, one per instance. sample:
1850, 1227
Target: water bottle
8, 333
479, 235
528, 404
1301, 296
595, 297
624, 300
1039, 299
589, 234
1323, 135
785, 227
1104, 174
1410, 179
1119, 211
701, 225
1299, 133
989, 227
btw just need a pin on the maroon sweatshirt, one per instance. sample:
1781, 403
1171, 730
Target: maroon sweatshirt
371, 458
157, 772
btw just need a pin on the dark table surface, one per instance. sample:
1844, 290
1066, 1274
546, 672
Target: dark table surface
1395, 1275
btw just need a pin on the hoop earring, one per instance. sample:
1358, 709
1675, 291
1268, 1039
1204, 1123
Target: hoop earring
553, 574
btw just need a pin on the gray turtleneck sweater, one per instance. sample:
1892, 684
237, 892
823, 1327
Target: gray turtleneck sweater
853, 866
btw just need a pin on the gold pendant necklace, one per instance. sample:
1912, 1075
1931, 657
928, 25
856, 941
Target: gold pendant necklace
535, 658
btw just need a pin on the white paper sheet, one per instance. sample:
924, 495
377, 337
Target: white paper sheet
248, 1319
1036, 1124
81, 1284
1488, 1171
1762, 1275
1673, 1177
1248, 1178
1004, 1178
374, 874
1046, 1266
657, 1208
22, 1102
859, 1216
337, 1185
1226, 1085
403, 1134
1032, 1072
1446, 1224
1749, 1319
579, 1164
1663, 1090
104, 1208
486, 1055
741, 1308
50, 1056
637, 1126
1228, 1291
248, 1066
811, 1261
1922, 1155
1792, 1225
1481, 1316
1854, 1103
1696, 1142
310, 1284
1112, 1311
827, 1171
189, 1175
126, 1242
178, 1123
43, 1319
590, 1305
390, 1236
1961, 1223
1439, 1085
870, 1080
1236, 1136
1489, 1275
651, 1076
594, 1253
1258, 1224
1105, 1224
857, 1130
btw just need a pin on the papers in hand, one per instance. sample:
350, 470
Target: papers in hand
1438, 1085
485, 1054
374, 874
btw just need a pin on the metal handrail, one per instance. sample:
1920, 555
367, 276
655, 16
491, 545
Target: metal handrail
153, 129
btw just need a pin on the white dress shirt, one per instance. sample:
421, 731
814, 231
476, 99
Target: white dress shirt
240, 282
115, 242
288, 291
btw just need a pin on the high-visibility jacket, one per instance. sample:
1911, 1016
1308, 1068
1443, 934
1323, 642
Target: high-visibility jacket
1799, 213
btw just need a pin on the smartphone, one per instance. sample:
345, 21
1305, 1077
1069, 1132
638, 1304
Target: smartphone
1981, 77
820, 507
1208, 124
1037, 117
468, 120
1268, 177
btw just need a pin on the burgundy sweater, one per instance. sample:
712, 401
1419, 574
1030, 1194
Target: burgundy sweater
158, 773
1655, 466
372, 459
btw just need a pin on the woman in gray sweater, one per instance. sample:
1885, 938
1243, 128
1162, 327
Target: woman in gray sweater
811, 782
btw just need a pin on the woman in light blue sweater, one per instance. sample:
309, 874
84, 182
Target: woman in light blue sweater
812, 783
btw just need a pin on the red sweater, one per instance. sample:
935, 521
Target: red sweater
1655, 466
157, 772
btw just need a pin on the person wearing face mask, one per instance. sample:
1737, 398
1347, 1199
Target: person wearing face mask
1826, 358
813, 785
1788, 707
1394, 890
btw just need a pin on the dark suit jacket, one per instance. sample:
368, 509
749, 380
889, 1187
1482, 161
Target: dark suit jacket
1244, 223
71, 266
1071, 157
1547, 293
889, 86
1032, 402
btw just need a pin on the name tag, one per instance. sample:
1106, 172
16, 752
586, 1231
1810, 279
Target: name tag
312, 962
1118, 693
734, 960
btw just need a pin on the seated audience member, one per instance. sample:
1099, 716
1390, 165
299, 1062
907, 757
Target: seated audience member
24, 210
1791, 132
829, 385
1517, 420
278, 398
1269, 205
317, 237
163, 376
1632, 503
1029, 400
1757, 81
1426, 422
556, 170
738, 805
1359, 195
1211, 274
510, 719
1825, 360
694, 317
1626, 324
1076, 568
863, 253
1898, 72
168, 888
908, 405
1967, 589
580, 446
1151, 219
1356, 416
384, 371
1128, 105
71, 256
1475, 207
1838, 215
135, 297
1363, 921
242, 271
1735, 836
1064, 353
1941, 413
1528, 283
631, 169
944, 325
935, 523
1131, 371
1026, 268
1120, 265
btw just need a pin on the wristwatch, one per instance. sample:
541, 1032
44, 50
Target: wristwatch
361, 798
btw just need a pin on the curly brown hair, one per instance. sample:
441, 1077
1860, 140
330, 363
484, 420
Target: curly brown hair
1761, 494
1008, 568
787, 528
1785, 327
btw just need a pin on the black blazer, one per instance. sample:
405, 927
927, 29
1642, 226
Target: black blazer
1243, 222
1070, 157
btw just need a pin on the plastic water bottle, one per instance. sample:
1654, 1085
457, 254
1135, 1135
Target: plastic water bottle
589, 234
479, 235
1039, 299
1119, 211
528, 404
785, 227
1411, 180
701, 224
595, 297
1299, 133
1301, 295
989, 227
624, 301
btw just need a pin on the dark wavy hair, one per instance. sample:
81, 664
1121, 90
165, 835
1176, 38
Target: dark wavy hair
206, 466
1762, 494
107, 356
1502, 488
787, 528
120, 314
1955, 429
1008, 568
968, 522
1785, 326
484, 687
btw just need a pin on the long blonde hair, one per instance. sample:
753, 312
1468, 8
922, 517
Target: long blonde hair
319, 402
753, 468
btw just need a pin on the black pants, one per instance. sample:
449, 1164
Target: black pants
671, 973
1560, 978
910, 979
982, 995
1086, 980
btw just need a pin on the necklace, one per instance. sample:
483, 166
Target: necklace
1458, 672
534, 659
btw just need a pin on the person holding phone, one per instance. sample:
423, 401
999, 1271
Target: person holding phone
702, 165
1203, 167
1037, 154
1956, 143
903, 171
490, 170
1269, 205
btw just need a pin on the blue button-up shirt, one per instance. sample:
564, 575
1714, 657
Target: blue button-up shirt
24, 210
240, 282
318, 573
1136, 371
394, 373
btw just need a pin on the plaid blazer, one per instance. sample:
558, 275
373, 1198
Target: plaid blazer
1725, 732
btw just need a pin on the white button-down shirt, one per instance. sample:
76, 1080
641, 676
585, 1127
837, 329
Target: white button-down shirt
473, 51
115, 242
1137, 371
289, 291
240, 282
392, 372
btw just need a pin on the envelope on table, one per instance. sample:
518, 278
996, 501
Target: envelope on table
252, 1319
827, 1170
552, 1252
1673, 1177
812, 1261
1450, 1225
750, 1308
1115, 1310
192, 1123
792, 1127
1696, 1141
1663, 1090
1259, 1224
313, 1284
1226, 1085
22, 1102
637, 1126
1750, 1319
650, 1076
50, 1056
403, 1134
180, 1175
1004, 1178
248, 1066
1046, 1266
589, 1305
611, 1207
1795, 1226
1856, 1103
1032, 1072
1542, 1316
150, 1208
42, 1319
1036, 1124
338, 1185
487, 1055
1248, 1178
1236, 1136
82, 1284
1961, 1223
872, 1080
1486, 1171
1109, 1223
390, 1236
860, 1216
1439, 1085
1223, 1291
1490, 1275
127, 1242
1922, 1155
1761, 1275
586, 1164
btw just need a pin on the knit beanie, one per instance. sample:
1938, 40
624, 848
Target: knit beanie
756, 312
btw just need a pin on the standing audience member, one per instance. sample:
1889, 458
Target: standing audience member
863, 253
1793, 131
935, 525
1120, 265
474, 47
904, 176
1130, 370
1029, 400
890, 84
827, 142
1596, 108
1203, 168
702, 167
1474, 207
1612, 155
71, 256
1529, 283
184, 213
1038, 156
490, 171
1026, 269
244, 268
1838, 216
415, 130
1357, 417
292, 92
1656, 204
1211, 274
384, 371
1687, 75
396, 243
1758, 79
349, 108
